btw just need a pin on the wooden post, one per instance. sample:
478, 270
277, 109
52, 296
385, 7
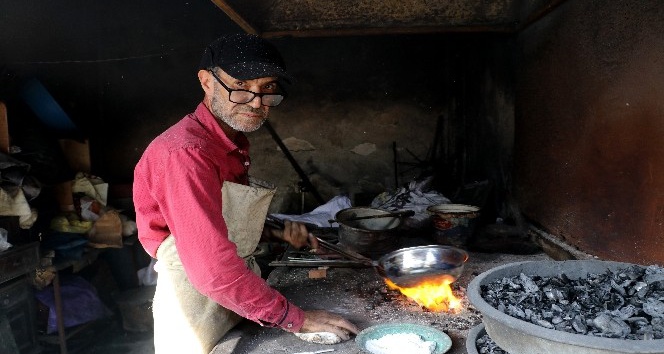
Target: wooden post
4, 129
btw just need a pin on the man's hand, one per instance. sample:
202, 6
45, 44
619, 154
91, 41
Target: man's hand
296, 234
323, 321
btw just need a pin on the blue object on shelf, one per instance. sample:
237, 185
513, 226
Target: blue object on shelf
46, 108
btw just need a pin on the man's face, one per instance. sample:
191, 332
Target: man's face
244, 117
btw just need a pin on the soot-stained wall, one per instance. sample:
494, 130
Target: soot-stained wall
589, 127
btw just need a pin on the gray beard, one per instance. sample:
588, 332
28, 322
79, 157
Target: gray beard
217, 109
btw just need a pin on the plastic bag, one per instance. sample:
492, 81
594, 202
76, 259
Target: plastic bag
4, 245
80, 303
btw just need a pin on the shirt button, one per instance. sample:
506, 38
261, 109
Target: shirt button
289, 325
246, 163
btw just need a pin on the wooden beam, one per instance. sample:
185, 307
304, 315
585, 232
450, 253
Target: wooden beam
230, 12
540, 13
337, 32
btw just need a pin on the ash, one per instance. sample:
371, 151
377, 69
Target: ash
386, 305
624, 304
364, 294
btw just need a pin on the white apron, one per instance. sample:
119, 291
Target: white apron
186, 321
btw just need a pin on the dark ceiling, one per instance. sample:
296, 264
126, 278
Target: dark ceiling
324, 18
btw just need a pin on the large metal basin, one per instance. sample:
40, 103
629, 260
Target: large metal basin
521, 337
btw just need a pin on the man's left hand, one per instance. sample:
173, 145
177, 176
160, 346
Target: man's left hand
296, 234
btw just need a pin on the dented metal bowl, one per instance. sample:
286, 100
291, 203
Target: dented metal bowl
408, 267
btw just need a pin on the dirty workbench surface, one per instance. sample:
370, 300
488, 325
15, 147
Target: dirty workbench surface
360, 295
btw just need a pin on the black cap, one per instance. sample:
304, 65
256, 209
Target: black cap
245, 57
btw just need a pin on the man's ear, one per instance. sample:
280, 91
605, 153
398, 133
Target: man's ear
207, 81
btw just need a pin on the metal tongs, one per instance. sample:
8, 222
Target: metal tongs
346, 252
356, 258
317, 351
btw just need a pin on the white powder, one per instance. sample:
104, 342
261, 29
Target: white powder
400, 343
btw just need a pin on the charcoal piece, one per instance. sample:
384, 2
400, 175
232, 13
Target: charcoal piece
611, 326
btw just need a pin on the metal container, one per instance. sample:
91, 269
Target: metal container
454, 223
371, 237
517, 336
408, 267
474, 334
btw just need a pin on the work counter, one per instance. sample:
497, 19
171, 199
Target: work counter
361, 296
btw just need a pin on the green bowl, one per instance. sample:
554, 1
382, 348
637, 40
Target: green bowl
443, 341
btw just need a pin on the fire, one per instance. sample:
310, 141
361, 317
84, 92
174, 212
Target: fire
436, 296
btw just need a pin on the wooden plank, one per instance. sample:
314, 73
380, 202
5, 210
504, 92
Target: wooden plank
7, 341
226, 8
59, 313
77, 154
339, 32
4, 129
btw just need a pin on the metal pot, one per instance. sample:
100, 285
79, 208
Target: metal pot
372, 236
454, 223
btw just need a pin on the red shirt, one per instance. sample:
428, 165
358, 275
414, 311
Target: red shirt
177, 190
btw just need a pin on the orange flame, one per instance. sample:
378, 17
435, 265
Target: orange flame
435, 296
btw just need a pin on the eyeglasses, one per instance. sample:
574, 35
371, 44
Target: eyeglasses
245, 96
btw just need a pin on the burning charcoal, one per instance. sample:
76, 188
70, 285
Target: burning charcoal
611, 326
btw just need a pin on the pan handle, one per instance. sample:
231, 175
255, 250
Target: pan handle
346, 252
404, 213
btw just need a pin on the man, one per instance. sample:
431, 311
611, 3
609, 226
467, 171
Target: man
198, 215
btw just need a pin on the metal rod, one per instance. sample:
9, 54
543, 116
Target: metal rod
300, 172
59, 313
396, 168
404, 213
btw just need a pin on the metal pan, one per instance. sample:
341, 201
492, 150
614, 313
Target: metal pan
408, 267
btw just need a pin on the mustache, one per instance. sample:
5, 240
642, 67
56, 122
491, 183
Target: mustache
250, 110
